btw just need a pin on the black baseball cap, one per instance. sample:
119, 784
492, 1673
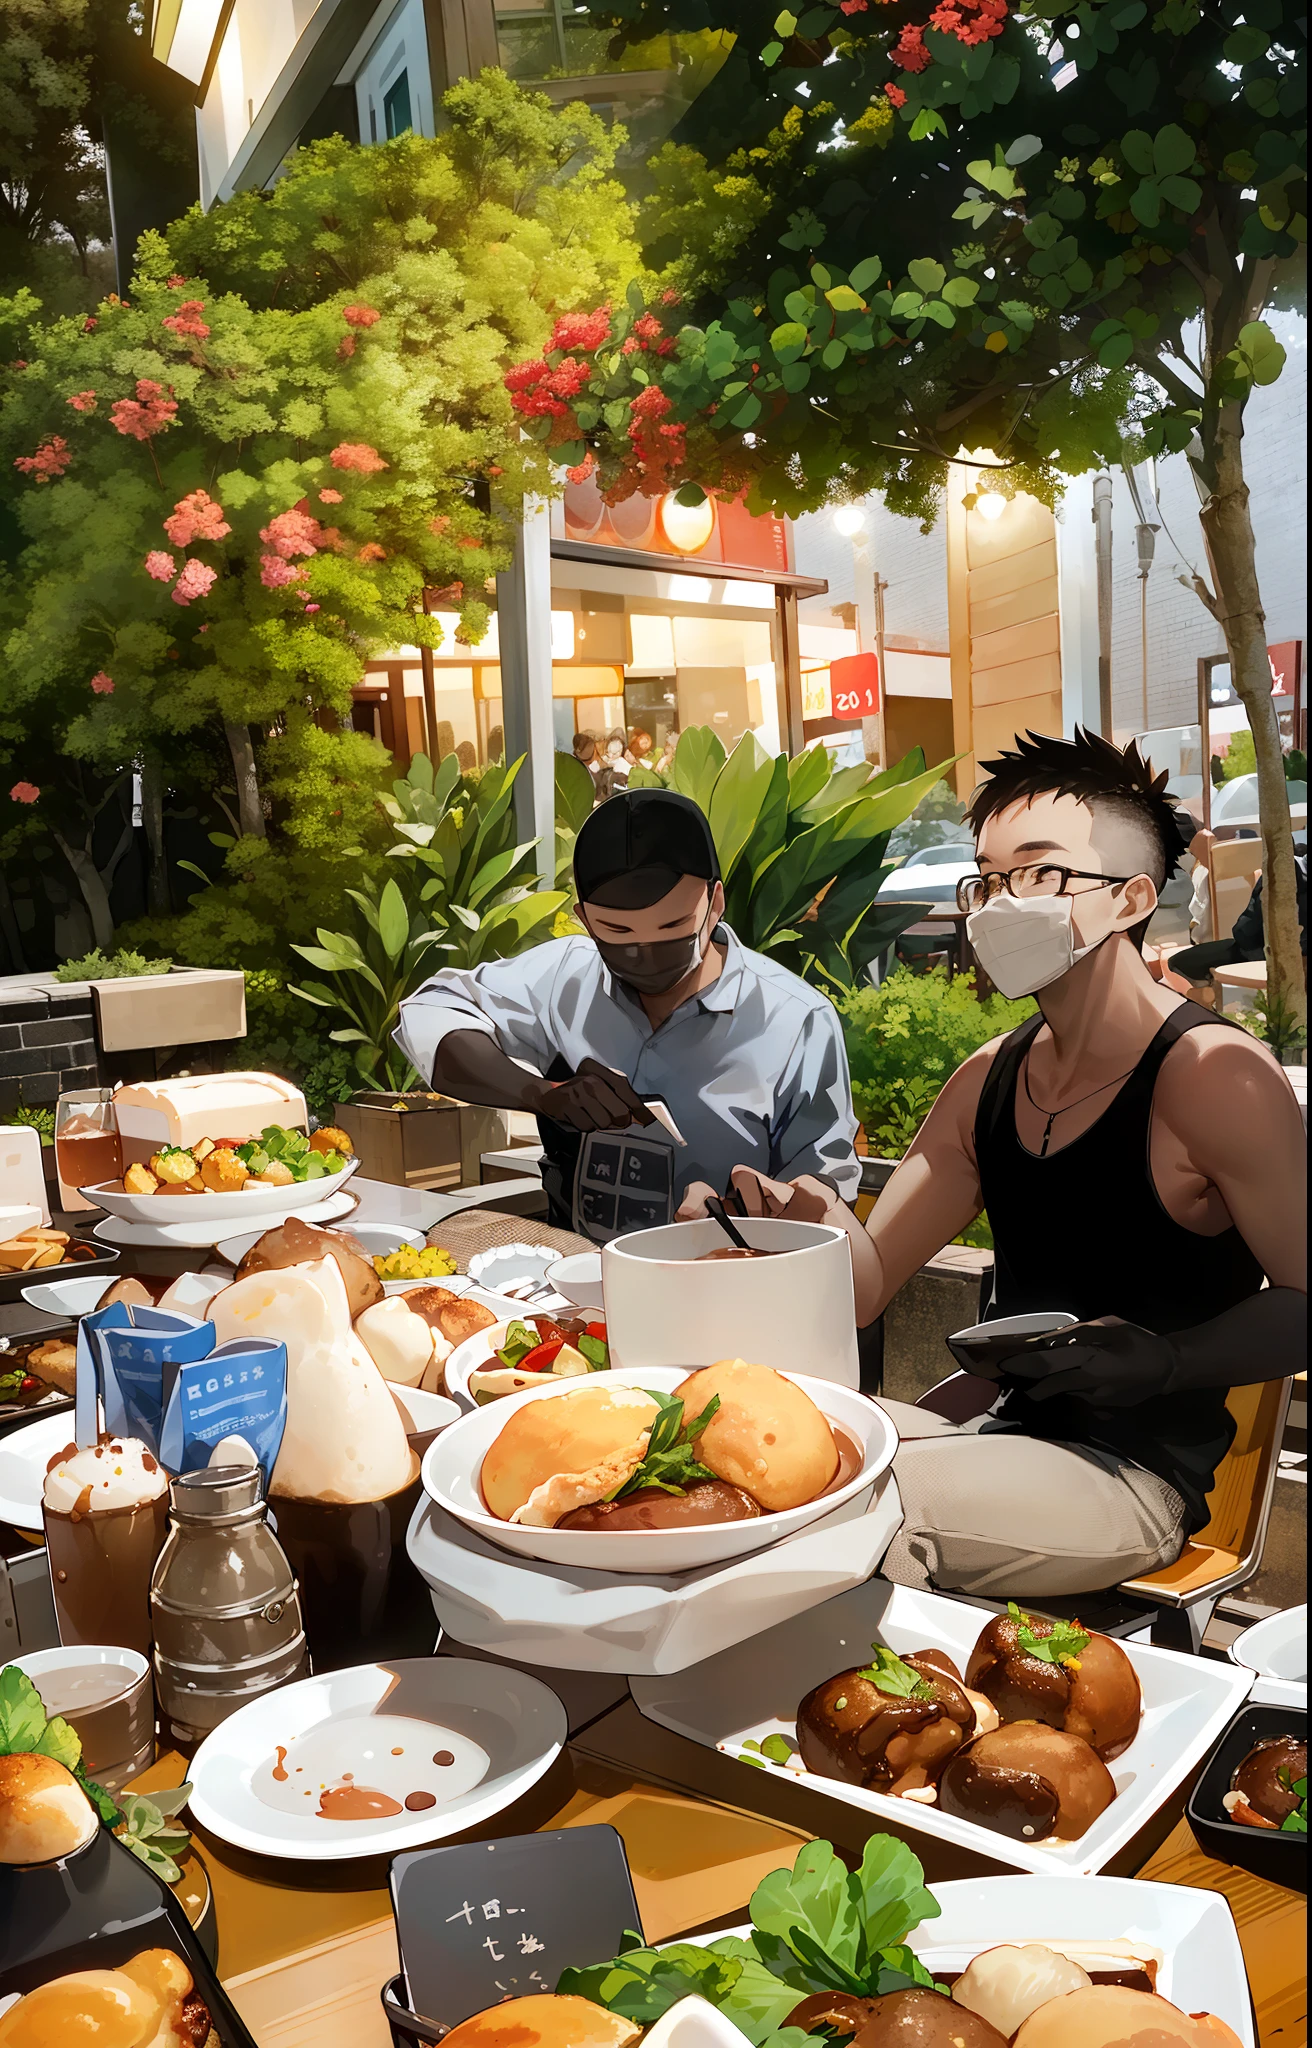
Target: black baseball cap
638, 846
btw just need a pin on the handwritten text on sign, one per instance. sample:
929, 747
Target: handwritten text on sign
854, 685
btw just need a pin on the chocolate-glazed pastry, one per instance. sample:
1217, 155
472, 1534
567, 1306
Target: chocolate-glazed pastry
1028, 1781
651, 1507
921, 2018
1034, 1669
843, 2012
889, 1727
1265, 1781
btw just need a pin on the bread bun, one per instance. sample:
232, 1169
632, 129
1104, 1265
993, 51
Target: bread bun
294, 1243
138, 2005
546, 2021
1113, 2016
565, 1433
399, 1342
767, 1436
44, 1813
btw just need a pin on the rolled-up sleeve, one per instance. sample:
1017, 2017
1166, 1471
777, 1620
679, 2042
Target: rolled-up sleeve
816, 1125
509, 999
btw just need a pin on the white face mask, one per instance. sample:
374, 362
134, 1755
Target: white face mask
1025, 942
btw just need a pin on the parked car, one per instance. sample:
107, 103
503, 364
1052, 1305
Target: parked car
931, 874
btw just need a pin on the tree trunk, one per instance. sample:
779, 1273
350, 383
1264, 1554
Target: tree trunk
152, 817
250, 810
9, 931
95, 893
1228, 529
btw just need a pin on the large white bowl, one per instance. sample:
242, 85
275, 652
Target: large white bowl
795, 1312
255, 1199
1276, 1649
452, 1465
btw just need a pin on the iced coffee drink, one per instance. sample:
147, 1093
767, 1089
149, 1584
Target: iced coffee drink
106, 1517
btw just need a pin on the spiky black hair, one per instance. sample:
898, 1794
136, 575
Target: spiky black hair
1094, 769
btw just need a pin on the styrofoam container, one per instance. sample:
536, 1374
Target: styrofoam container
1276, 1649
624, 1623
795, 1312
754, 1689
451, 1475
255, 1199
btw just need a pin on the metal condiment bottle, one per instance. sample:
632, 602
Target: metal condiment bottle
223, 1601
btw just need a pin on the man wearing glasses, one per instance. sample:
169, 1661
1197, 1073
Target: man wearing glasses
1142, 1166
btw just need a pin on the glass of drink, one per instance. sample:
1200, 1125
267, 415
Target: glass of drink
88, 1149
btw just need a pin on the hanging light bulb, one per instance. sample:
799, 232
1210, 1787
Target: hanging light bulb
990, 505
850, 519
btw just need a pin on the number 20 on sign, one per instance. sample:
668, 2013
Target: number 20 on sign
854, 685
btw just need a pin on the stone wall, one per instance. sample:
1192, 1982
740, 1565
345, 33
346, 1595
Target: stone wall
47, 1043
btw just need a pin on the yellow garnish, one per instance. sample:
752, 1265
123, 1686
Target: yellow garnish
429, 1262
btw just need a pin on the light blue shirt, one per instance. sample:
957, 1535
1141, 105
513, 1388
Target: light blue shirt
753, 1070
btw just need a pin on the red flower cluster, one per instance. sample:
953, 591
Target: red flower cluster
330, 497
360, 316
346, 346
197, 580
24, 793
176, 283
357, 455
588, 331
274, 572
293, 533
150, 412
853, 6
102, 684
159, 565
196, 517
658, 444
539, 392
51, 459
187, 320
990, 15
909, 52
582, 470
83, 401
371, 552
895, 95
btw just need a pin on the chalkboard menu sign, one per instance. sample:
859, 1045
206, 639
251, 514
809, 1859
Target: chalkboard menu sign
479, 1922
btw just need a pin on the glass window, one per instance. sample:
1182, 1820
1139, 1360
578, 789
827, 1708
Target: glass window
396, 107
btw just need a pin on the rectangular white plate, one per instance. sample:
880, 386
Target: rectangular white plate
752, 1691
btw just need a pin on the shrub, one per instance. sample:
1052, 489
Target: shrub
282, 1037
905, 1037
119, 966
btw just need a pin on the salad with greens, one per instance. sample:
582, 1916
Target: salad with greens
817, 1928
277, 1144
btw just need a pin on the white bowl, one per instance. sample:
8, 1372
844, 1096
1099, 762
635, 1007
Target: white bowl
452, 1465
795, 1312
1276, 1649
255, 1199
579, 1279
422, 1411
747, 1693
380, 1239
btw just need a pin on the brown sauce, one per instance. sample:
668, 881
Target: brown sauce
444, 1757
652, 1508
280, 1768
734, 1251
356, 1802
419, 1802
851, 1457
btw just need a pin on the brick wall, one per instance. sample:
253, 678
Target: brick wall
47, 1042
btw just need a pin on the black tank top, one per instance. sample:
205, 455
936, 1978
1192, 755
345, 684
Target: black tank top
1085, 1230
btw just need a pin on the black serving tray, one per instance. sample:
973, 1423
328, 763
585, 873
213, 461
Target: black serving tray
1267, 1852
105, 1260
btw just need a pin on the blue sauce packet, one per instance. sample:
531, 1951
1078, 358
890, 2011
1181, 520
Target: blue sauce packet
240, 1389
130, 1354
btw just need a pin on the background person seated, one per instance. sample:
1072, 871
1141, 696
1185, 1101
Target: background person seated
1247, 941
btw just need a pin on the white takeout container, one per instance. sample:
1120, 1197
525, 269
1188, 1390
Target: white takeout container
624, 1623
795, 1311
754, 1690
451, 1475
1276, 1649
257, 1198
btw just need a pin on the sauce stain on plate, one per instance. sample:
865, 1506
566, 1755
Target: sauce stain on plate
370, 1768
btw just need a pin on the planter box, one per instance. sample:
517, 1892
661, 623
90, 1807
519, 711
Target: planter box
189, 1006
420, 1140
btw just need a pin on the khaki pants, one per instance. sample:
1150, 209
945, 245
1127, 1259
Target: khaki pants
1006, 1516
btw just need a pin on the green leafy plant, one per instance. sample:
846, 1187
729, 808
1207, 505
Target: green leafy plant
119, 966
1277, 1023
817, 1927
26, 1729
371, 970
30, 1117
907, 1036
149, 1829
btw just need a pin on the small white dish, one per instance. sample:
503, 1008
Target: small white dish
422, 1412
254, 1199
70, 1298
753, 1690
510, 1265
386, 1725
451, 1475
379, 1240
25, 1451
579, 1279
1276, 1649
1190, 1934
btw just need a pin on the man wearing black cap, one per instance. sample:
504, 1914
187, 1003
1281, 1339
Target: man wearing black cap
659, 1003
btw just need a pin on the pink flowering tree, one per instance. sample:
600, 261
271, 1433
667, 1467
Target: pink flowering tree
224, 494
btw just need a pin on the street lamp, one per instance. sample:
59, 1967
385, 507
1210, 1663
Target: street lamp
990, 505
850, 520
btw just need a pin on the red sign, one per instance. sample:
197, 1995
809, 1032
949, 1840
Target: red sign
1286, 667
854, 685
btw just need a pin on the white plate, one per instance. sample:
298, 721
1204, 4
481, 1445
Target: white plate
579, 1280
24, 1454
476, 1355
252, 1200
624, 1623
753, 1691
380, 1239
217, 1235
1192, 1932
451, 1475
69, 1297
503, 1728
1276, 1649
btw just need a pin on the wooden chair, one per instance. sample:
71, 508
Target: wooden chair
1228, 1549
1233, 866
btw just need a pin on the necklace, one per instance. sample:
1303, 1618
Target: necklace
1053, 1114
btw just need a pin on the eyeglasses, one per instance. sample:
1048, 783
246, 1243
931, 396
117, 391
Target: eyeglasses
1041, 880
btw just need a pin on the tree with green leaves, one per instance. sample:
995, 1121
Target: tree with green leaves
225, 494
1041, 234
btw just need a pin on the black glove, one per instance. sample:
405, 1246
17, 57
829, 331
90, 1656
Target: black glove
596, 1098
1108, 1363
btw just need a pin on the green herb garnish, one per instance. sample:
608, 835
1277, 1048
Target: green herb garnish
595, 1351
1294, 1823
670, 1462
147, 1830
1063, 1646
901, 1681
26, 1729
776, 1749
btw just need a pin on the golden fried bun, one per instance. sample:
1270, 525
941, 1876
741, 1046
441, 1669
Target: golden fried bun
767, 1435
1111, 2016
100, 2006
44, 1812
546, 2021
567, 1433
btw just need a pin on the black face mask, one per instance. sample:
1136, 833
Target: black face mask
652, 970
